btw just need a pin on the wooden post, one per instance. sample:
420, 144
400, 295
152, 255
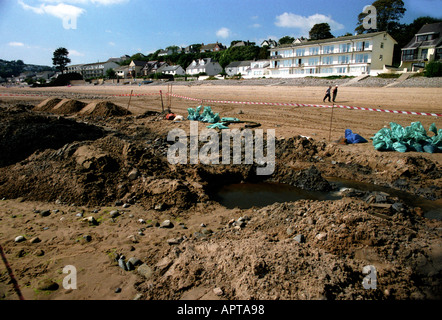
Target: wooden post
331, 122
162, 105
130, 98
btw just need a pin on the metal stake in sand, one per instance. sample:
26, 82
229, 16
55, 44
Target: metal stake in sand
130, 98
331, 123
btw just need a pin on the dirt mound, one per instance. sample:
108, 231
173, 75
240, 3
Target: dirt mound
104, 109
22, 133
48, 104
68, 106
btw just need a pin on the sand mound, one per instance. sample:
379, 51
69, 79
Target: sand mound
104, 109
48, 104
68, 106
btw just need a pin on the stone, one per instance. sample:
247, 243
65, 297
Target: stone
218, 291
114, 213
163, 265
87, 238
122, 264
129, 266
118, 290
133, 174
159, 207
135, 261
145, 271
20, 239
206, 232
175, 241
290, 231
167, 224
91, 220
126, 205
321, 236
48, 285
39, 253
45, 213
35, 240
299, 238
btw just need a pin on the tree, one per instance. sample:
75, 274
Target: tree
286, 40
60, 59
389, 12
320, 31
111, 74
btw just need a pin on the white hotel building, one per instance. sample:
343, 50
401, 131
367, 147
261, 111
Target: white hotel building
348, 55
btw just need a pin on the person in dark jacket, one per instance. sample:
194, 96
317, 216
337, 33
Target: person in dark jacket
327, 94
335, 93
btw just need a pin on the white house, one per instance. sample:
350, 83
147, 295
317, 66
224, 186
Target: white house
206, 65
93, 70
173, 70
258, 69
122, 72
348, 55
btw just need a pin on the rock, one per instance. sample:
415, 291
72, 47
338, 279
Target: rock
118, 290
114, 213
135, 261
45, 213
218, 291
129, 266
206, 232
299, 238
122, 264
20, 239
138, 296
126, 205
141, 221
87, 238
118, 203
35, 240
397, 206
133, 174
79, 214
321, 236
290, 231
159, 207
145, 271
91, 221
175, 241
39, 253
48, 285
167, 224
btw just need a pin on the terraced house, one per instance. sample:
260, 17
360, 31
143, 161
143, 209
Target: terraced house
348, 55
426, 46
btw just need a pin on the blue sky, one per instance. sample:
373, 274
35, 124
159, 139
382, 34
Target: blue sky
95, 30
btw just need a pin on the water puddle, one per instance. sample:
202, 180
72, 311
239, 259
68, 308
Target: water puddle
248, 195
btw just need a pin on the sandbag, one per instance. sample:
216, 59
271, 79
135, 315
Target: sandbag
411, 138
353, 137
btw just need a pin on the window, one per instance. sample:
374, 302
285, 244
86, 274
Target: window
346, 47
382, 45
328, 49
327, 60
300, 52
327, 70
363, 45
313, 61
424, 54
343, 59
341, 70
313, 51
361, 58
287, 63
381, 57
310, 70
408, 55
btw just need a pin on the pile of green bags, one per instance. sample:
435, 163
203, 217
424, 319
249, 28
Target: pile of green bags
207, 116
411, 138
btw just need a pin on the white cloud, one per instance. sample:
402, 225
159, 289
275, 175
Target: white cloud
112, 44
61, 10
256, 25
223, 33
291, 20
75, 53
16, 44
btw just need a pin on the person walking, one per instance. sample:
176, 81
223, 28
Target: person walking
335, 93
327, 94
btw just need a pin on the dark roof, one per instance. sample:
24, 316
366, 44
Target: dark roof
432, 28
139, 63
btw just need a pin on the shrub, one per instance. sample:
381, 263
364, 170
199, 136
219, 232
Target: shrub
433, 69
